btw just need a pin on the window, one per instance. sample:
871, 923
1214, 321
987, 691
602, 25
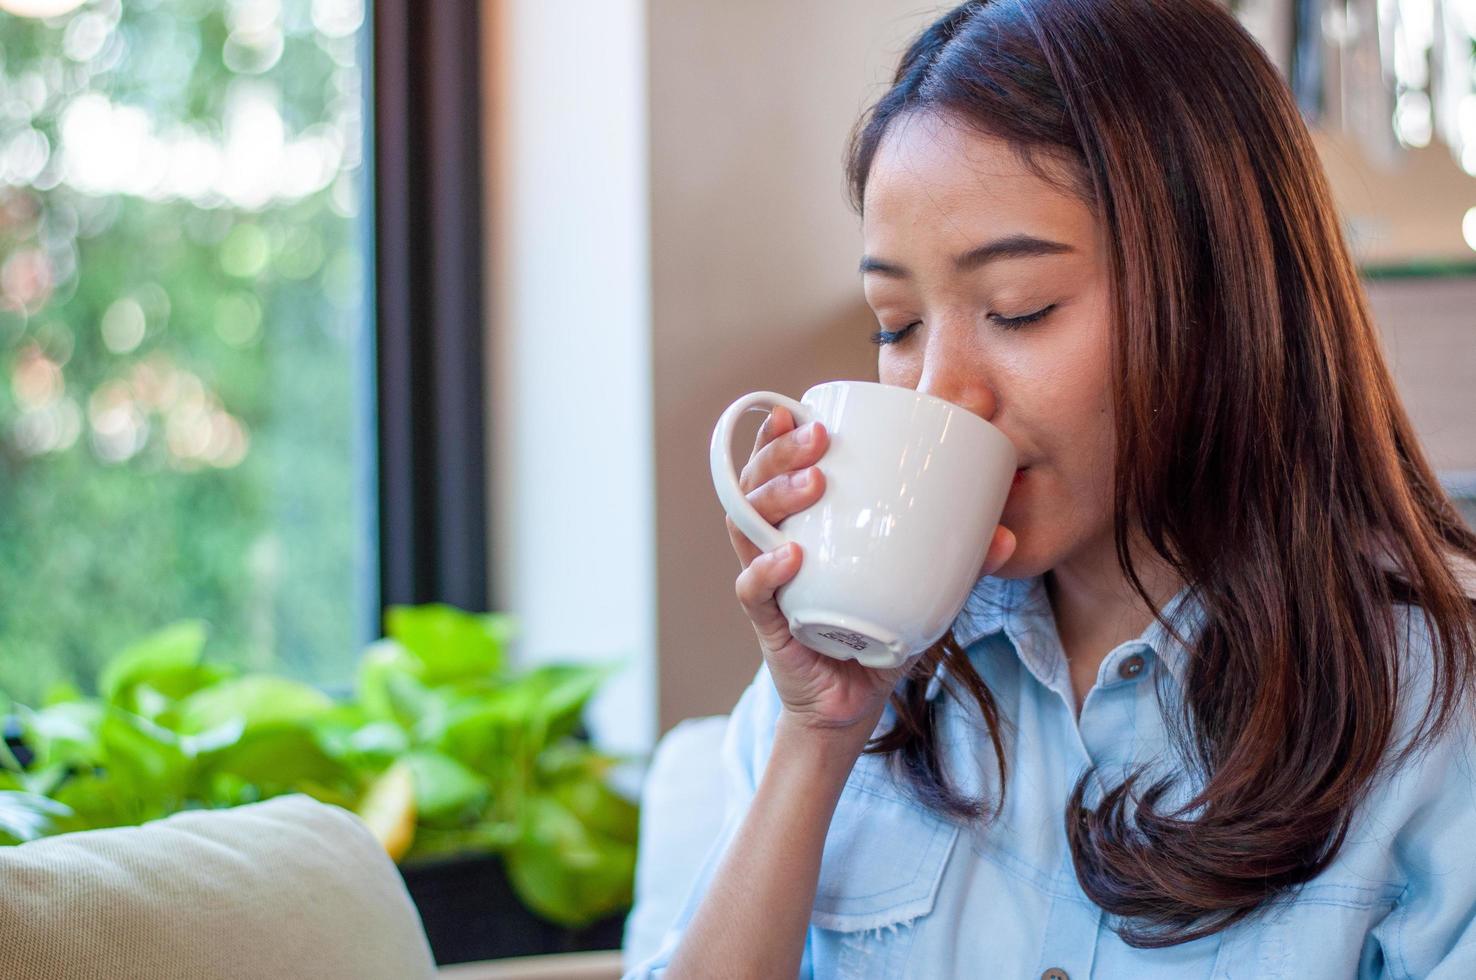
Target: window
186, 350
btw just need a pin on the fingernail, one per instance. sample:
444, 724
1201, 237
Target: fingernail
807, 434
801, 479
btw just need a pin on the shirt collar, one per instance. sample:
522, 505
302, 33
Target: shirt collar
1021, 609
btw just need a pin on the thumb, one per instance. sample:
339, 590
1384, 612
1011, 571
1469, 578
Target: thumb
1001, 549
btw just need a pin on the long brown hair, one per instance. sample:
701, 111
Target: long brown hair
1261, 448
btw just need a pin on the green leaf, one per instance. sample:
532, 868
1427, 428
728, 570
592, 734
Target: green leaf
259, 700
8, 761
145, 757
157, 660
275, 760
449, 643
368, 747
599, 807
483, 837
42, 781
65, 733
224, 735
99, 799
379, 739
486, 734
61, 692
383, 660
445, 790
27, 816
563, 691
564, 872
139, 773
422, 711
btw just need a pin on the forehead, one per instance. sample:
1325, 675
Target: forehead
936, 178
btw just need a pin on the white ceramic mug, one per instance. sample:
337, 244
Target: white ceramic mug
914, 488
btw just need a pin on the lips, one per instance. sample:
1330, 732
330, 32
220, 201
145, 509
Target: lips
1019, 475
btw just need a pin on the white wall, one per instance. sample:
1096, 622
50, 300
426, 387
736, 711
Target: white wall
569, 342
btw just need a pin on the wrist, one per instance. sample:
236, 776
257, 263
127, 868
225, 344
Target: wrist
821, 743
811, 762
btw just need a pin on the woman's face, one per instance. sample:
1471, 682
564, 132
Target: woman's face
991, 285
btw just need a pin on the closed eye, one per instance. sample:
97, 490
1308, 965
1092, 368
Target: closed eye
884, 337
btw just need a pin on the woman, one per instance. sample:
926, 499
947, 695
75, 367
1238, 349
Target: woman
1207, 714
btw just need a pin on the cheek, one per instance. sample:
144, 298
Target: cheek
895, 368
1062, 398
1072, 389
1080, 413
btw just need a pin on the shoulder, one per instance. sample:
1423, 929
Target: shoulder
1426, 667
1428, 674
1427, 798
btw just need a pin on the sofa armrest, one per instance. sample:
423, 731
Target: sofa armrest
603, 965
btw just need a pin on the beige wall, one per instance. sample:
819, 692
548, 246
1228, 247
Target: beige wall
1407, 214
1429, 328
1412, 213
754, 281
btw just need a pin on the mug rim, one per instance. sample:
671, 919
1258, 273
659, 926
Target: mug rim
915, 394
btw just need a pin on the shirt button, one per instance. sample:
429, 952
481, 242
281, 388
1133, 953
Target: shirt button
1054, 973
1130, 667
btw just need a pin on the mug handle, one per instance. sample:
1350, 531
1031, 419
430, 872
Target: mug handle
764, 535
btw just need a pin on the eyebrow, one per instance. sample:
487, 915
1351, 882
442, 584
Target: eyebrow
1009, 247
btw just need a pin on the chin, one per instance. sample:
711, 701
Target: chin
1042, 539
1022, 564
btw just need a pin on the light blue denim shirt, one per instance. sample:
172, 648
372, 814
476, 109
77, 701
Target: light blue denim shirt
904, 892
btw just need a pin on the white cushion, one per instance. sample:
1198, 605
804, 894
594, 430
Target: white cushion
286, 888
682, 807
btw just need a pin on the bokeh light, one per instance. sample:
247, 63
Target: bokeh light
39, 8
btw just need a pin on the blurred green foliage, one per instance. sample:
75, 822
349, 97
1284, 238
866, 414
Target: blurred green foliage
495, 758
182, 362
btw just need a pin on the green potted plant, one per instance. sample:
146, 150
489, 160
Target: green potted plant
476, 778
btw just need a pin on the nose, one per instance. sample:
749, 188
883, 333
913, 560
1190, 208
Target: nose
952, 373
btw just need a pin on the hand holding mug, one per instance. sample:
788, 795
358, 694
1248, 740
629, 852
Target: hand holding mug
840, 645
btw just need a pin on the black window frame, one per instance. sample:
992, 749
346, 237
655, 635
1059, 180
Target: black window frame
427, 303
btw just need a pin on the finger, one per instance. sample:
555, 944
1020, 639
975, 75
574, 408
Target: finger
776, 423
1001, 549
780, 497
791, 450
788, 493
755, 588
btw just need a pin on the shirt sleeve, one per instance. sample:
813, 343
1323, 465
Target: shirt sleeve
747, 742
1431, 931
